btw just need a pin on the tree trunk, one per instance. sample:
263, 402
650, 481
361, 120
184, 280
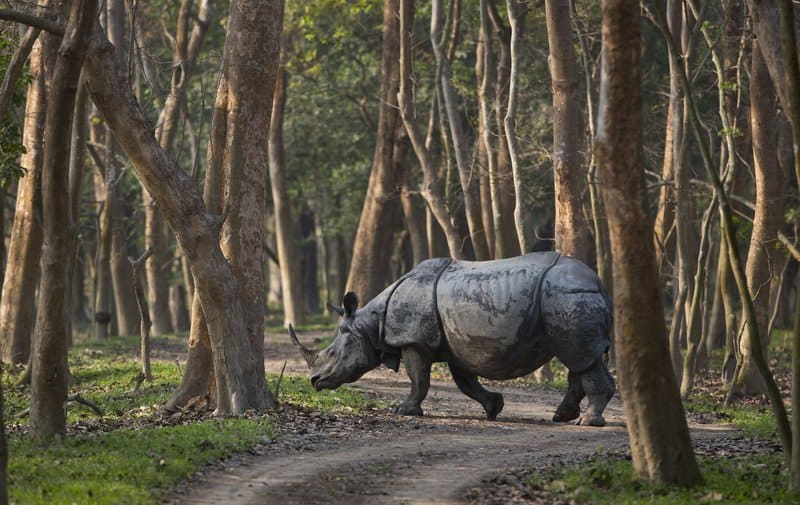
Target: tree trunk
370, 263
285, 231
469, 184
792, 82
659, 436
49, 363
238, 365
17, 307
77, 162
127, 314
431, 188
572, 233
503, 196
525, 229
186, 48
178, 309
762, 255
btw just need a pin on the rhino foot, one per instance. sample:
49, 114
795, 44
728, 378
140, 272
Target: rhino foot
565, 415
592, 420
493, 406
408, 409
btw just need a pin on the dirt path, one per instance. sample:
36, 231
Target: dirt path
379, 458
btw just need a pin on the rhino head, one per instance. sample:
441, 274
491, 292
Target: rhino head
350, 355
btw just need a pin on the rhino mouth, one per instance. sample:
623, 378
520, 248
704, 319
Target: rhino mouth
319, 383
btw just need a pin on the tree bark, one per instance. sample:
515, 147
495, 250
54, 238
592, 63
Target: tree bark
572, 233
49, 363
525, 229
659, 436
762, 255
469, 184
431, 188
186, 47
285, 231
127, 314
370, 262
236, 361
17, 307
503, 196
792, 83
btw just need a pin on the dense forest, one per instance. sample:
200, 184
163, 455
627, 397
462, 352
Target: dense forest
205, 169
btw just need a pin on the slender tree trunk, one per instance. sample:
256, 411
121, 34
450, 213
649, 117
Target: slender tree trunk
504, 195
572, 233
370, 263
179, 311
186, 48
431, 189
17, 307
657, 428
3, 454
77, 161
469, 184
761, 257
524, 227
285, 231
486, 73
127, 314
49, 364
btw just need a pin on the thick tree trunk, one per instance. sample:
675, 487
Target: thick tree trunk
237, 365
49, 363
370, 263
285, 231
572, 233
17, 306
762, 256
657, 428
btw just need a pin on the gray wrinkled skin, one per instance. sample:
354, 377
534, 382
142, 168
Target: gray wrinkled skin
495, 319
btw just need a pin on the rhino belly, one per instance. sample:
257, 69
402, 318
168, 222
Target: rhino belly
487, 321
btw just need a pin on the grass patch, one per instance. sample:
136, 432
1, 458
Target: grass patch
130, 454
314, 322
742, 480
125, 465
752, 420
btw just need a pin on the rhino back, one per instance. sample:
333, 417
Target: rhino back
489, 314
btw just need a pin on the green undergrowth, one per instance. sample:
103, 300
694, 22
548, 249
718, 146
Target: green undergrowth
135, 451
125, 465
742, 480
313, 322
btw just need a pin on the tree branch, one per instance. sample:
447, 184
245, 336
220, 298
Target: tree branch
31, 20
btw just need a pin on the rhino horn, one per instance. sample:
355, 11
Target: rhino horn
336, 309
307, 353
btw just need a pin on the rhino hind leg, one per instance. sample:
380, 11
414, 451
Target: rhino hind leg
418, 368
599, 387
468, 384
570, 407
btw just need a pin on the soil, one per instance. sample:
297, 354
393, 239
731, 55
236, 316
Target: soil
450, 455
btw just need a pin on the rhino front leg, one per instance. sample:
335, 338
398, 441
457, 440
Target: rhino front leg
599, 387
570, 407
469, 385
418, 368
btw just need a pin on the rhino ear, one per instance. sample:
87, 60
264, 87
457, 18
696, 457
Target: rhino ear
336, 308
350, 303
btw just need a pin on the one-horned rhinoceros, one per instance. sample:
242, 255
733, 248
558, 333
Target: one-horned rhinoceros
495, 319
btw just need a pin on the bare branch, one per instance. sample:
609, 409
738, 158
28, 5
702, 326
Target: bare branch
31, 20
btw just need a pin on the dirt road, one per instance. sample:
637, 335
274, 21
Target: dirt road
379, 458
